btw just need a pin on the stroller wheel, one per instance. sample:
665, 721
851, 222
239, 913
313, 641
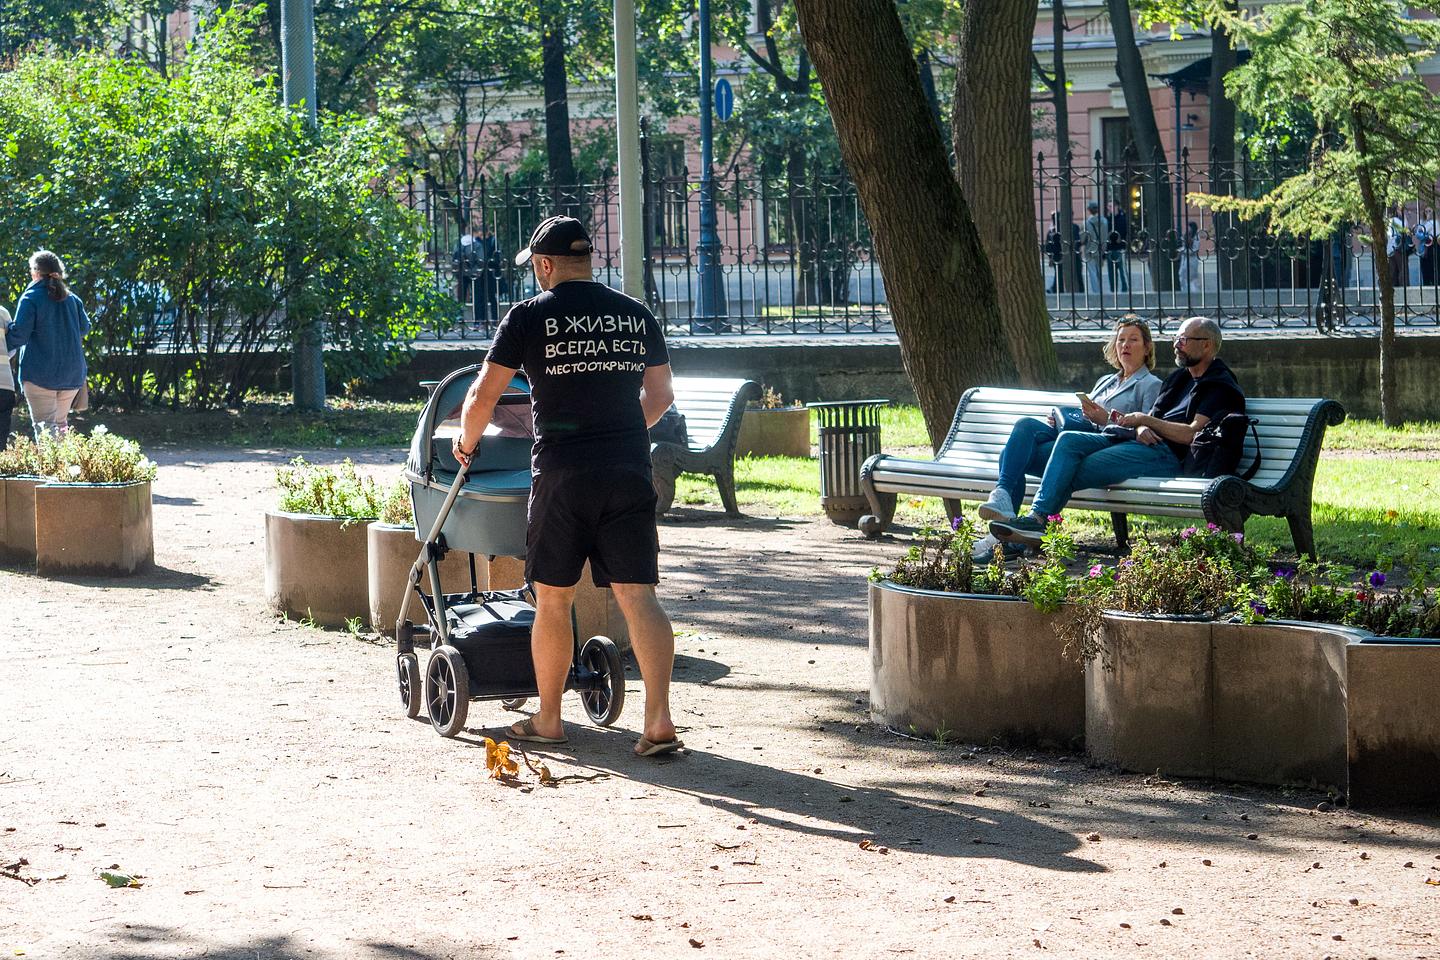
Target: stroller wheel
604, 695
447, 691
515, 704
408, 669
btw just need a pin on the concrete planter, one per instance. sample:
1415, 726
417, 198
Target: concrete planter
390, 552
1278, 706
93, 528
1148, 695
1393, 739
784, 432
17, 519
596, 611
979, 667
316, 567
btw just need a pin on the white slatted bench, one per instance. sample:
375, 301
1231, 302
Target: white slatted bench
1290, 433
713, 408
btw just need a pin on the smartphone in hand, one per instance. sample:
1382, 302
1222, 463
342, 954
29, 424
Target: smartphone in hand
1083, 397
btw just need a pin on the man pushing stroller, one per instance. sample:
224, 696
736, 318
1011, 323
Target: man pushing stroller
599, 378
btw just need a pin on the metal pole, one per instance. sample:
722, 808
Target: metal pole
1179, 186
297, 53
627, 137
711, 281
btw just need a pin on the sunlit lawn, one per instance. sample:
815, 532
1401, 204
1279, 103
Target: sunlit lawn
1365, 506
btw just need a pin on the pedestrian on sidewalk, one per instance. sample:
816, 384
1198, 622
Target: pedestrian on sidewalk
599, 377
49, 331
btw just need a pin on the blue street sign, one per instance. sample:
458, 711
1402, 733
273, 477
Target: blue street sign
724, 99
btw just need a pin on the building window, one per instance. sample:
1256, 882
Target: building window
670, 194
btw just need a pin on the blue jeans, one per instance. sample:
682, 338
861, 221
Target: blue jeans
1027, 451
1080, 461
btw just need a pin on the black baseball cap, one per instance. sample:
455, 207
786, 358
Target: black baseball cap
557, 237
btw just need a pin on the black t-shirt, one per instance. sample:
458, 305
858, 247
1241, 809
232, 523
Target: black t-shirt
585, 348
1183, 397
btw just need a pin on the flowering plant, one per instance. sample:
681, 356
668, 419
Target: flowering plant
395, 506
97, 457
21, 458
942, 559
337, 492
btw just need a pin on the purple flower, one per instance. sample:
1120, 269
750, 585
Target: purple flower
1377, 579
1285, 573
1212, 526
1096, 570
1258, 607
1054, 518
954, 523
1238, 537
1187, 533
1127, 564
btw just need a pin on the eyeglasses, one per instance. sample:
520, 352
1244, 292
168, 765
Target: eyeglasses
1181, 341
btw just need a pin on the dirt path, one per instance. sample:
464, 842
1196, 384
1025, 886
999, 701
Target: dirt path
261, 777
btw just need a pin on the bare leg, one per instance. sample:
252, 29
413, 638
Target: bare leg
551, 641
653, 639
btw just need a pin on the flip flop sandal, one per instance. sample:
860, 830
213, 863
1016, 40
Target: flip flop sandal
525, 730
651, 748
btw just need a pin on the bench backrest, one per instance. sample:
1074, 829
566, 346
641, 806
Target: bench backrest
710, 405
986, 415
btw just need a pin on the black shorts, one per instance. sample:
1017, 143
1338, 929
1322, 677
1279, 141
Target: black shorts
604, 514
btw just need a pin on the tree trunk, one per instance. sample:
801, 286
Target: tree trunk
558, 153
937, 279
1157, 220
1375, 213
992, 158
1222, 140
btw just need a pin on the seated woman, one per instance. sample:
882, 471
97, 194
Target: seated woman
1131, 350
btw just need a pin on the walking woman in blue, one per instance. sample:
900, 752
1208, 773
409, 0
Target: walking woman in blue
1131, 351
49, 330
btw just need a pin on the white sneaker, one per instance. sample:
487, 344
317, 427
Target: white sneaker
984, 549
998, 507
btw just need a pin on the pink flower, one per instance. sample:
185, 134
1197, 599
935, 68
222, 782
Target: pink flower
1096, 570
1212, 526
1188, 532
1054, 518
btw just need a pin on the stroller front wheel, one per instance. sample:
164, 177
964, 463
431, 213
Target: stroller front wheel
513, 704
604, 694
447, 691
408, 669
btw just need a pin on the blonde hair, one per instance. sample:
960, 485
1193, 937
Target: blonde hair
1130, 320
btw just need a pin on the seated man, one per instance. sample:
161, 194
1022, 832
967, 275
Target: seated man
1201, 390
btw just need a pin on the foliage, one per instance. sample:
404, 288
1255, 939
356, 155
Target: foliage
191, 208
1353, 66
338, 492
395, 506
21, 458
1323, 593
942, 559
97, 457
771, 399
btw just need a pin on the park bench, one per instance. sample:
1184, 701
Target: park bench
1290, 432
712, 408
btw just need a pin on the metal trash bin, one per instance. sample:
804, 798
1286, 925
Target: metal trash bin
849, 435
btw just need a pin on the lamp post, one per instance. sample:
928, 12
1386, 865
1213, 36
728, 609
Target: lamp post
627, 142
297, 55
710, 307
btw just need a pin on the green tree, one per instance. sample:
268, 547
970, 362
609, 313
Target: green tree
180, 203
1352, 65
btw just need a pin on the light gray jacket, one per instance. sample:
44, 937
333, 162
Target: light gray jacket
1136, 395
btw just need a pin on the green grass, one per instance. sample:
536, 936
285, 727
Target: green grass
1373, 436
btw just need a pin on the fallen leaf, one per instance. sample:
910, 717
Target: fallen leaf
1206, 862
1432, 881
1252, 836
1124, 926
1093, 838
697, 944
949, 899
1178, 912
120, 880
641, 916
1166, 923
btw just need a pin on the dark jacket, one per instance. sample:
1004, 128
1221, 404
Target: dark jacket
50, 335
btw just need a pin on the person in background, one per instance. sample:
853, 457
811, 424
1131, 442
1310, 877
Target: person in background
1116, 267
1399, 244
1097, 240
1131, 351
7, 383
1190, 258
1426, 247
49, 331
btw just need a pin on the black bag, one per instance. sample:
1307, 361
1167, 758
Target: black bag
670, 428
1218, 447
1072, 418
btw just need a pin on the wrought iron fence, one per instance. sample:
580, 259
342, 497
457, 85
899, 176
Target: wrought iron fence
796, 256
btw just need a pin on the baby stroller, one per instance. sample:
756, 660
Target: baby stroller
480, 640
